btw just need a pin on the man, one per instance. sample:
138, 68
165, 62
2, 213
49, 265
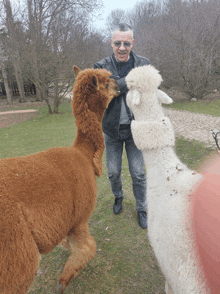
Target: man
117, 120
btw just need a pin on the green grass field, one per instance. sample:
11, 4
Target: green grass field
200, 106
124, 262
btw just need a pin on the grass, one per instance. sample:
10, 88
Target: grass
200, 106
124, 262
40, 133
192, 153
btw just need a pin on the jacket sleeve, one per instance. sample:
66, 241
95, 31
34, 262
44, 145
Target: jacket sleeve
120, 81
96, 65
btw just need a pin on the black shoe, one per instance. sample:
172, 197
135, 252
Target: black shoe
142, 219
117, 207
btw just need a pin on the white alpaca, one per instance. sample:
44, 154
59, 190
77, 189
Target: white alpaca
169, 184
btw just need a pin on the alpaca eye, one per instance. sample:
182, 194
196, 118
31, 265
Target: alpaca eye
107, 86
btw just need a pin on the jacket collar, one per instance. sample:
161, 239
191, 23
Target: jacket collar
137, 60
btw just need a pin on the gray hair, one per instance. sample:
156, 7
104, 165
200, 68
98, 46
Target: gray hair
123, 27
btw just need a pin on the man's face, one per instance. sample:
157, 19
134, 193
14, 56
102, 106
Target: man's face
120, 42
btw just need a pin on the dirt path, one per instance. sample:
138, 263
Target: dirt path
10, 117
194, 126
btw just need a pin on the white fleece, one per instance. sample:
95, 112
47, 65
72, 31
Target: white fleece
169, 185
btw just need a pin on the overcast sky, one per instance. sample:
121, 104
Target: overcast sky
110, 5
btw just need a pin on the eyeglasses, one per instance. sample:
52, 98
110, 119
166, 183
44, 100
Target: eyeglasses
118, 44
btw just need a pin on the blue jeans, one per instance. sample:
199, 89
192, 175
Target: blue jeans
114, 150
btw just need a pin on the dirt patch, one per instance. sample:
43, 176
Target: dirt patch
10, 116
29, 103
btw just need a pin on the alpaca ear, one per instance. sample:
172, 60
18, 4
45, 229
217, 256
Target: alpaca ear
94, 81
136, 97
163, 97
76, 70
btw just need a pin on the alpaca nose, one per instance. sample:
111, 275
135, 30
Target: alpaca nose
116, 88
113, 88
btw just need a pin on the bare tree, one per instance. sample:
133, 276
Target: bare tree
144, 21
196, 35
115, 17
13, 46
44, 50
4, 75
50, 27
182, 40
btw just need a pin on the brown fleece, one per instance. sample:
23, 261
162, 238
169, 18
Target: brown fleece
50, 195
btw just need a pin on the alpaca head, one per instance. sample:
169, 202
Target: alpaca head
143, 97
150, 129
145, 79
93, 90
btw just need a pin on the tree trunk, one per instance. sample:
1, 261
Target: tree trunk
56, 98
36, 75
48, 105
56, 105
5, 78
44, 94
32, 30
38, 95
19, 80
14, 49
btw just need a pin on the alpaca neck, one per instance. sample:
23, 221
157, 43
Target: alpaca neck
165, 171
84, 145
150, 110
162, 162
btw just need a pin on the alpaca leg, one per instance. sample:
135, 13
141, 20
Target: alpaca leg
18, 265
168, 289
65, 243
83, 248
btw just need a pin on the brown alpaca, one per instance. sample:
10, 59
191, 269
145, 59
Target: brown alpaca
49, 195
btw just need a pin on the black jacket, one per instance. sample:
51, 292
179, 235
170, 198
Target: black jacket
110, 122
